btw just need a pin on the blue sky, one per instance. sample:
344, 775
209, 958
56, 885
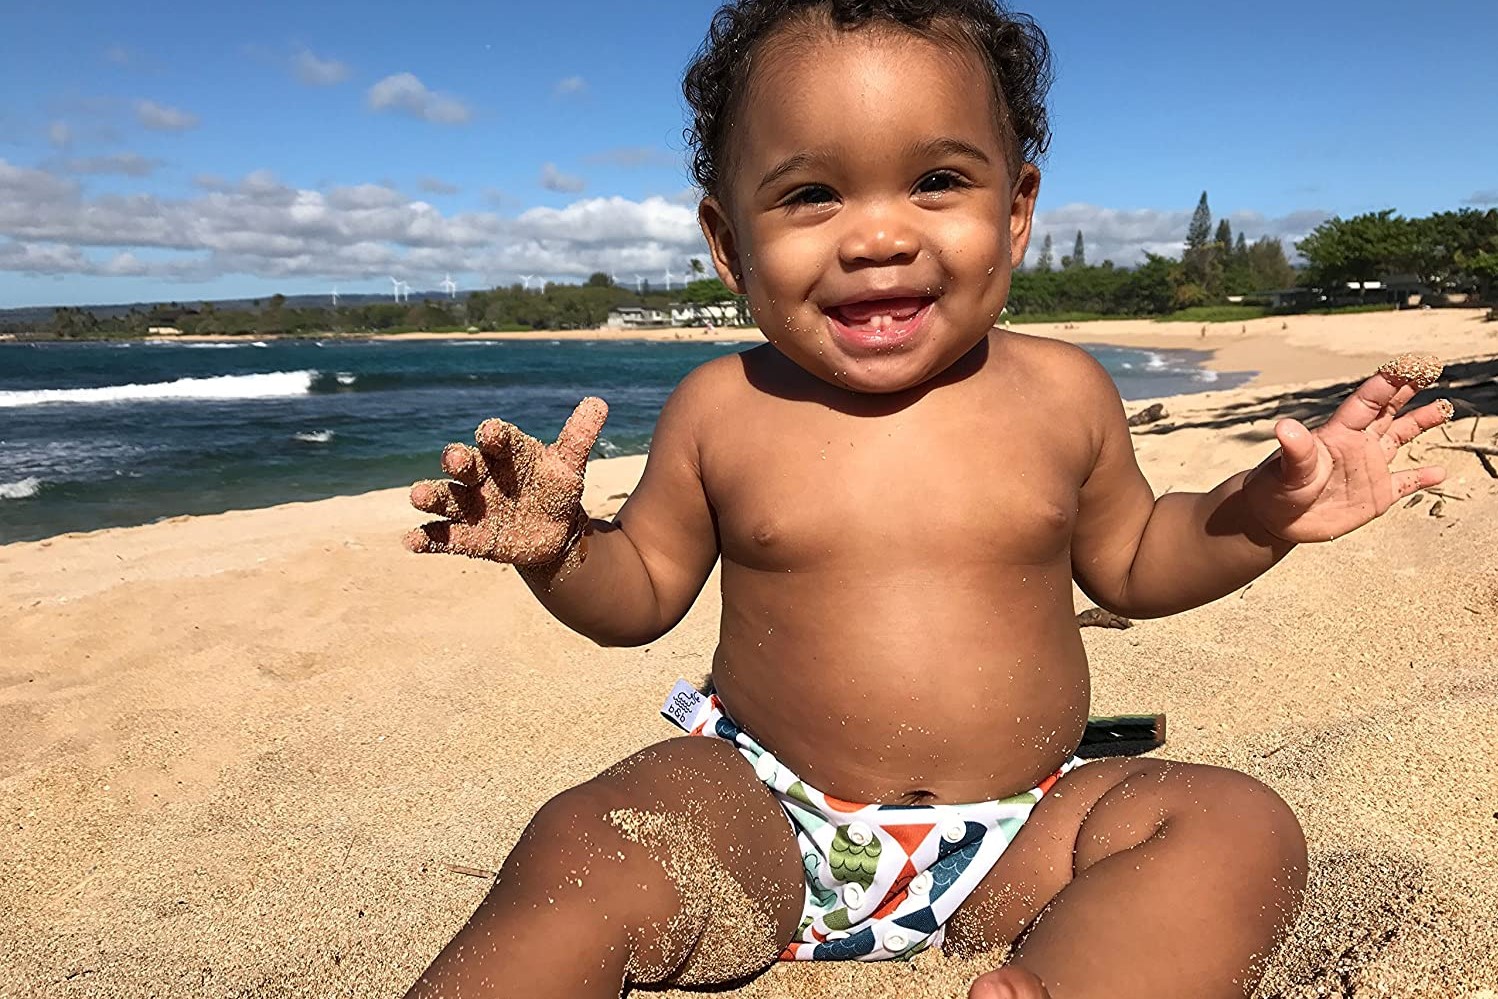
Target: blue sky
185, 151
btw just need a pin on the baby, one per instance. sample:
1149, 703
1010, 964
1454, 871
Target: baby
901, 495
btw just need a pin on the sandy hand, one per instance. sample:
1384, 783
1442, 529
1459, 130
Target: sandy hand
1323, 483
515, 500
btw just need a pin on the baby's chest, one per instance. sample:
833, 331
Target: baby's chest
805, 500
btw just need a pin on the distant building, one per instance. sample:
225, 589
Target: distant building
695, 314
163, 331
631, 317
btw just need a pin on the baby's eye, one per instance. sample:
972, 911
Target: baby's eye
811, 194
940, 181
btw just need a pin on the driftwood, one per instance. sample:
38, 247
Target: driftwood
1483, 452
472, 872
1151, 414
1096, 617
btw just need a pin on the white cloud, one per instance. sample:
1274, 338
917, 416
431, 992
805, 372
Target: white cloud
436, 185
118, 55
262, 227
569, 86
59, 134
318, 72
1483, 199
555, 180
405, 93
162, 118
128, 164
1125, 236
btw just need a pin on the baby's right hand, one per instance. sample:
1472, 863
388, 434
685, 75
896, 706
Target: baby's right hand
515, 500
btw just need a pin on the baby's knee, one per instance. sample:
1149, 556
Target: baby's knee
1253, 823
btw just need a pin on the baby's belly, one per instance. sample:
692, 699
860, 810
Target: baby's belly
920, 688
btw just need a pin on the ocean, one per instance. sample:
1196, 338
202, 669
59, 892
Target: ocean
113, 434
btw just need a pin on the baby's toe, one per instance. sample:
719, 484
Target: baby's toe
1008, 983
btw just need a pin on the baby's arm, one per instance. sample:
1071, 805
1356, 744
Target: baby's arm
625, 582
1143, 557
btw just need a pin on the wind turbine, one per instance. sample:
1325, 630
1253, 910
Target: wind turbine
639, 284
668, 280
335, 296
527, 278
405, 291
449, 287
396, 290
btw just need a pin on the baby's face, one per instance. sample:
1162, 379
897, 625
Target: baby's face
870, 212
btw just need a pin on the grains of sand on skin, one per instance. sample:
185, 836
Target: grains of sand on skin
735, 935
1417, 369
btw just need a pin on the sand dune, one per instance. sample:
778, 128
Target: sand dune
240, 754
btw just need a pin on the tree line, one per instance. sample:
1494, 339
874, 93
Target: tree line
553, 306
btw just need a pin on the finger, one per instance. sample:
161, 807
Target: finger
510, 454
444, 536
1368, 403
462, 463
1415, 479
1402, 397
450, 500
1412, 425
581, 432
1297, 453
423, 540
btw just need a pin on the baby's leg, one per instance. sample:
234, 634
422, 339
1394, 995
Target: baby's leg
673, 865
1141, 878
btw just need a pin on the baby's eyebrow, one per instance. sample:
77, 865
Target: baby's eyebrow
945, 146
792, 163
921, 149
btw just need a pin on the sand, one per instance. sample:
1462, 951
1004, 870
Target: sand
265, 753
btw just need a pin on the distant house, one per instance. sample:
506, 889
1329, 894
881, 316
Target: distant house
697, 314
631, 317
163, 331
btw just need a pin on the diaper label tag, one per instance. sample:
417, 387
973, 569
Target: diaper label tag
681, 707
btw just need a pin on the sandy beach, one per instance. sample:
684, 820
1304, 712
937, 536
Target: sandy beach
268, 753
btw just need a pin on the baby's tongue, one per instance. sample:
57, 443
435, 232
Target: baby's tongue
861, 313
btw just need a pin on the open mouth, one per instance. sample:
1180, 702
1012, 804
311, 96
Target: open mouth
879, 323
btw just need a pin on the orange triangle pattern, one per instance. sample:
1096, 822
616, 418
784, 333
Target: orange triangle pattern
910, 837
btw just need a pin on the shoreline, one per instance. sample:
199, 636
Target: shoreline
1277, 349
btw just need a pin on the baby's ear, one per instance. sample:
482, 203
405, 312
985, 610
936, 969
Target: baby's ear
718, 231
1024, 192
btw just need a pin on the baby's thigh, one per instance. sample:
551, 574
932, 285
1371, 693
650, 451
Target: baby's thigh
687, 816
1111, 806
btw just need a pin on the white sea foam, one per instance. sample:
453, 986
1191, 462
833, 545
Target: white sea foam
23, 489
275, 384
314, 436
206, 346
346, 377
1206, 375
1156, 362
259, 343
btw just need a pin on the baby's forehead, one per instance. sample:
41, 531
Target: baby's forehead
806, 88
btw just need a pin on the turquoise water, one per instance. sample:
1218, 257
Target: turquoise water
112, 434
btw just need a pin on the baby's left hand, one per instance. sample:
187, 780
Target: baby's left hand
1323, 483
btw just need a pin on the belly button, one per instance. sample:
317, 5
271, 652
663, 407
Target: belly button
917, 797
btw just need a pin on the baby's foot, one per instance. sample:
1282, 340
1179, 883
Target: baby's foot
1008, 983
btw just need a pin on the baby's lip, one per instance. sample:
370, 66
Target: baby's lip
894, 293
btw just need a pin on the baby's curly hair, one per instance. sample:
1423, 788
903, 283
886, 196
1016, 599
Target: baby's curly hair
1012, 46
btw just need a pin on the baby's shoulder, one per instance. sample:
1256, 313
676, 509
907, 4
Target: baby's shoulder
1056, 368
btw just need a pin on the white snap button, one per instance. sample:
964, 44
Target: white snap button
921, 883
853, 895
765, 767
859, 833
895, 941
954, 832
